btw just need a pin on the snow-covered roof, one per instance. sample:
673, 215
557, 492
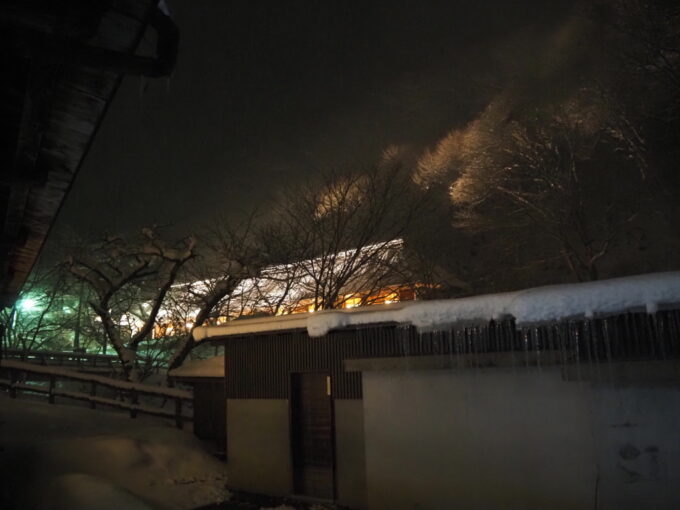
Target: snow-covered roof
530, 306
210, 367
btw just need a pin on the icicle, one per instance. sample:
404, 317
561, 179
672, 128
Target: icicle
627, 344
450, 346
459, 342
484, 333
638, 335
590, 339
405, 350
651, 334
537, 346
674, 330
574, 336
525, 344
606, 334
659, 333
476, 347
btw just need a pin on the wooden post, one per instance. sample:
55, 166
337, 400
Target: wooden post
134, 400
93, 393
13, 381
51, 394
178, 412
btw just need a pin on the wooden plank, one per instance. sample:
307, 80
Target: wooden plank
31, 388
103, 381
312, 424
53, 391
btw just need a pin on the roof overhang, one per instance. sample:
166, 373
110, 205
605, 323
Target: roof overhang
61, 68
540, 305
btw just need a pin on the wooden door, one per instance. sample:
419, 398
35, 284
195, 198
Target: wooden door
312, 435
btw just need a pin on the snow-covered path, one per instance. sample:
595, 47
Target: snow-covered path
69, 458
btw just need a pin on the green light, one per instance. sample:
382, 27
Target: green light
28, 304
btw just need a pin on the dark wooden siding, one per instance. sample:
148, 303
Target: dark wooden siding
210, 413
312, 435
259, 366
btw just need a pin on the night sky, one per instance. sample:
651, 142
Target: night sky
266, 94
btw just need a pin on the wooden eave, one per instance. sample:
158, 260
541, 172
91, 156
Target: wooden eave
51, 115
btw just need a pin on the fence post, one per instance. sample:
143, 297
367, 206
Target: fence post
51, 394
93, 393
178, 412
134, 400
13, 381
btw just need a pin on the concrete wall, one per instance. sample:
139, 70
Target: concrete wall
518, 439
638, 445
258, 446
350, 473
484, 439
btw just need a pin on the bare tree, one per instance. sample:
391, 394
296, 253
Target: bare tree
39, 319
546, 174
340, 238
130, 280
213, 282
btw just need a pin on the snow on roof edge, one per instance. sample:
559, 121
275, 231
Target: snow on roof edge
529, 306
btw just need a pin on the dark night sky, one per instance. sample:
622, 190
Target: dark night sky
268, 93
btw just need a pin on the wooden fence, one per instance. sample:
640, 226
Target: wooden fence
20, 376
82, 361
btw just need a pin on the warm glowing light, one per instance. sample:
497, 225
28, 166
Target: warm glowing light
352, 302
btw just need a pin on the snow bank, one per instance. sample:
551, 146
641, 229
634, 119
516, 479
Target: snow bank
74, 491
210, 367
531, 306
85, 456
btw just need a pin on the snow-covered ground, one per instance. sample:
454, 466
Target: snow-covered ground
56, 457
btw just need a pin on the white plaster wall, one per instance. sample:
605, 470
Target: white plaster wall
350, 473
638, 446
259, 451
478, 439
258, 446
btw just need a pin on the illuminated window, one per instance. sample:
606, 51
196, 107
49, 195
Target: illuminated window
352, 302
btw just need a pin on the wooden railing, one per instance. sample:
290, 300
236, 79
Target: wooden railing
67, 359
82, 361
20, 376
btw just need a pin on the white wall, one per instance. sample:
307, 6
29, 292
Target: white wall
519, 439
350, 473
258, 446
259, 451
638, 446
487, 439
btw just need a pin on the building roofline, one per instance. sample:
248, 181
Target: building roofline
640, 293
